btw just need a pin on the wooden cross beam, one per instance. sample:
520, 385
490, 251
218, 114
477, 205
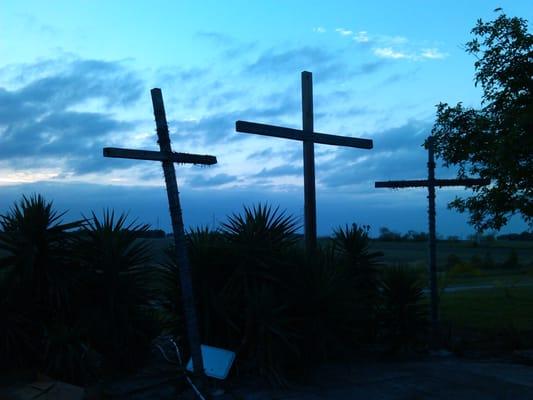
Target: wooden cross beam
431, 183
168, 158
309, 137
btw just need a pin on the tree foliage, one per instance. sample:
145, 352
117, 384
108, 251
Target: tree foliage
496, 140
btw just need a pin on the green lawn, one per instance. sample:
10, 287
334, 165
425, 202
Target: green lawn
489, 311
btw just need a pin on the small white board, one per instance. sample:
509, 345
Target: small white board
217, 362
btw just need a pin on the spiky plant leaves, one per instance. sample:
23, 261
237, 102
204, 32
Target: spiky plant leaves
403, 313
212, 268
211, 265
261, 230
352, 246
37, 274
118, 277
36, 247
352, 242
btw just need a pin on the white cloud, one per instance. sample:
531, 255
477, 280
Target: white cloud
319, 29
388, 52
397, 40
344, 32
433, 54
361, 37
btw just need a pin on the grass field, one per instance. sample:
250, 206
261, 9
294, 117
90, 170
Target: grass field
416, 252
490, 310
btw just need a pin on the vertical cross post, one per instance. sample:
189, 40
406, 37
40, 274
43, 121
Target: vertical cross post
432, 242
310, 233
179, 233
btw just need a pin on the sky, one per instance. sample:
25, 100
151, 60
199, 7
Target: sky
75, 76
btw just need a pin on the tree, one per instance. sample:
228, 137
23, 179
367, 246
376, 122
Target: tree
496, 140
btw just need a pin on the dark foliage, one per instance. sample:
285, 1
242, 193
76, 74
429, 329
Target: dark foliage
403, 314
496, 140
115, 295
37, 274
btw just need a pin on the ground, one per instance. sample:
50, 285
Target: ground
434, 377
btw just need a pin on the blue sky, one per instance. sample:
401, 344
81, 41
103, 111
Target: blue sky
75, 77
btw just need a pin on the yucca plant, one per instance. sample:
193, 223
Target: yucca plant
351, 244
37, 275
116, 313
403, 313
211, 266
323, 299
36, 248
257, 287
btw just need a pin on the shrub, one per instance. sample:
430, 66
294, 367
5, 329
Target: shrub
37, 277
403, 314
115, 295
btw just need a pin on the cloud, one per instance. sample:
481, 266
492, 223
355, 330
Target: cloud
319, 29
433, 54
388, 52
201, 180
49, 119
344, 32
361, 37
274, 62
401, 146
281, 170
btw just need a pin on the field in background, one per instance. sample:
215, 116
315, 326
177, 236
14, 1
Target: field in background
416, 252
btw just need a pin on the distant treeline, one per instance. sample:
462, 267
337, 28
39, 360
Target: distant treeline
386, 235
525, 236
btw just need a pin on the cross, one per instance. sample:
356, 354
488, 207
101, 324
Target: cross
431, 183
168, 158
309, 137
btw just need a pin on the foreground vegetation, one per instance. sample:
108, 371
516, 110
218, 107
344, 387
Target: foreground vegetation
82, 301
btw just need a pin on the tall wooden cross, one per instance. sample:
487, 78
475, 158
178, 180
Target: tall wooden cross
431, 183
168, 158
309, 137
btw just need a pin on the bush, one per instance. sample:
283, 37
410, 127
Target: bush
39, 273
403, 313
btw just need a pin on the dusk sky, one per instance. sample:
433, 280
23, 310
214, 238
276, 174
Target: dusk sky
75, 76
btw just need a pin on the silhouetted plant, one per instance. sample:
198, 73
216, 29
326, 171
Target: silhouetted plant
257, 288
212, 265
403, 314
116, 315
67, 355
352, 247
37, 272
325, 306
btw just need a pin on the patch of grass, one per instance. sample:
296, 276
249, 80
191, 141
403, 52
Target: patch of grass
489, 311
498, 251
